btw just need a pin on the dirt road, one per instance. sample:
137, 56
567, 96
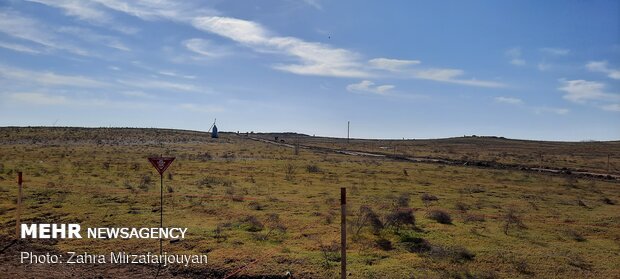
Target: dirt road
480, 164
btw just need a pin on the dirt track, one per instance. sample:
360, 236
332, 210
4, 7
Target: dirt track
480, 164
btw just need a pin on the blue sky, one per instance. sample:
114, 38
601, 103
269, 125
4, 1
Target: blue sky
396, 69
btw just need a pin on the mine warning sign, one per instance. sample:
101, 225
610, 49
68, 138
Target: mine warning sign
161, 163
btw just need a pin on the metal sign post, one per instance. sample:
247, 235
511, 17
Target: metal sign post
343, 233
161, 164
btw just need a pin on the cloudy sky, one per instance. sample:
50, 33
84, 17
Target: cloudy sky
395, 69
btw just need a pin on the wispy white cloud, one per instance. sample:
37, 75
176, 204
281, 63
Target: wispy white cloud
315, 58
19, 48
25, 28
162, 72
367, 86
603, 67
515, 56
391, 64
402, 68
203, 47
38, 98
84, 10
509, 100
90, 36
560, 111
180, 11
175, 74
581, 91
555, 51
543, 66
44, 79
611, 107
48, 99
160, 85
137, 94
530, 108
517, 62
201, 108
452, 76
88, 11
47, 78
314, 3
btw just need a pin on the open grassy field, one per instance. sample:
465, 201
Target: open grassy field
587, 156
259, 206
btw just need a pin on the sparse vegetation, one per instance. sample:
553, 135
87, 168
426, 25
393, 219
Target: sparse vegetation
329, 253
145, 183
575, 235
439, 215
400, 218
233, 196
313, 168
403, 200
415, 244
512, 220
289, 172
254, 205
364, 218
454, 253
608, 201
473, 218
462, 207
427, 199
251, 223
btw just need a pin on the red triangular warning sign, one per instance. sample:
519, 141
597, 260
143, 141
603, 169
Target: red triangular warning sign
161, 163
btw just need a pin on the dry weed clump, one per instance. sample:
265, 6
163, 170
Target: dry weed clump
469, 218
512, 219
145, 182
403, 200
251, 223
254, 205
289, 172
608, 201
427, 199
313, 168
439, 215
461, 206
400, 218
365, 217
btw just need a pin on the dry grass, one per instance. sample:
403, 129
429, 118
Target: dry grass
229, 191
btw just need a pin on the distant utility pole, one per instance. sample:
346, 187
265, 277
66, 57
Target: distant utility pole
348, 128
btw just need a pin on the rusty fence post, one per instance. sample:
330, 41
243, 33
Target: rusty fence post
343, 232
19, 203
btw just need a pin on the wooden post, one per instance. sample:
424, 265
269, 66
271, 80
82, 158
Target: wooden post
19, 203
541, 162
343, 233
161, 211
608, 173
